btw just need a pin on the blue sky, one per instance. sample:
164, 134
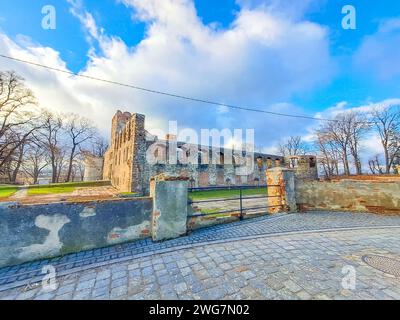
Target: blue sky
291, 56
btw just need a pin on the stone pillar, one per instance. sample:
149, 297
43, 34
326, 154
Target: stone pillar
170, 198
281, 192
140, 180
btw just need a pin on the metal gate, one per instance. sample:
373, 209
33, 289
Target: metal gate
245, 200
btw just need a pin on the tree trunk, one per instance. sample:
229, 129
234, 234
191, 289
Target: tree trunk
71, 159
54, 171
346, 163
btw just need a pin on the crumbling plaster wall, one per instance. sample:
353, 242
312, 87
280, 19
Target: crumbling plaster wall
31, 232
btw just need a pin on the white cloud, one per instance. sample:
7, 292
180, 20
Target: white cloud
262, 59
343, 106
379, 53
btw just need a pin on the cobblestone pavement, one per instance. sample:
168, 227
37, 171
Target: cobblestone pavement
296, 266
244, 253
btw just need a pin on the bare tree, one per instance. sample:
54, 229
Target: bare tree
334, 134
329, 155
344, 135
17, 120
80, 130
387, 123
99, 146
294, 145
79, 168
51, 133
36, 160
16, 161
375, 165
358, 126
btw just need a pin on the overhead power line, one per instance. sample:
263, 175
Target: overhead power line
167, 93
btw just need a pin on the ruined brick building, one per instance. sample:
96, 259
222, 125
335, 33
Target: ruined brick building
134, 156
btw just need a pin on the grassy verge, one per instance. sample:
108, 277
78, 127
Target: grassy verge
222, 194
7, 191
127, 193
58, 188
50, 190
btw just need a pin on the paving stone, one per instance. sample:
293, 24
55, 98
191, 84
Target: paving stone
303, 295
63, 289
180, 287
102, 283
82, 295
159, 266
133, 266
118, 292
119, 282
101, 291
27, 295
45, 296
65, 296
295, 266
292, 286
85, 285
118, 275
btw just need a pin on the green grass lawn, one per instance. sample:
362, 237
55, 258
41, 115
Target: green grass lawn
7, 190
57, 188
33, 191
221, 194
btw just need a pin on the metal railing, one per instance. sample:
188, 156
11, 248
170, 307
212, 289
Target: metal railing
241, 209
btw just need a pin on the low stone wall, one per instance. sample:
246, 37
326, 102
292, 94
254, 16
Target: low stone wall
203, 221
31, 232
363, 194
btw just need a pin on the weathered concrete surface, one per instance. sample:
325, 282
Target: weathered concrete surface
281, 190
289, 197
169, 216
31, 232
372, 195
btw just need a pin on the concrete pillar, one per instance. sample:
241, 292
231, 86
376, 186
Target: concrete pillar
170, 197
281, 192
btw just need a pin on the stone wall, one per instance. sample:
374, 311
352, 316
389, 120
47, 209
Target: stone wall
304, 166
30, 232
93, 168
126, 165
124, 161
362, 194
203, 221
